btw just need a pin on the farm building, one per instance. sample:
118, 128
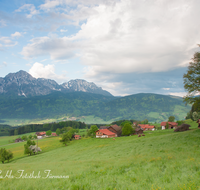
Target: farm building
77, 137
138, 131
18, 140
105, 133
40, 134
172, 125
146, 127
113, 128
54, 134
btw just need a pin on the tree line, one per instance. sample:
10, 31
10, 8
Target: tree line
45, 127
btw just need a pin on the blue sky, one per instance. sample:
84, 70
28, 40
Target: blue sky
124, 46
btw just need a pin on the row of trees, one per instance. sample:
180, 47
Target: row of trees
46, 127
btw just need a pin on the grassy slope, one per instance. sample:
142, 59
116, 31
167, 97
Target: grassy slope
160, 160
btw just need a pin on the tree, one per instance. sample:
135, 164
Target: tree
92, 131
16, 132
65, 138
48, 133
192, 79
127, 130
171, 118
5, 155
24, 137
30, 136
34, 149
167, 126
58, 131
27, 150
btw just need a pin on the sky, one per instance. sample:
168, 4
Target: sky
124, 46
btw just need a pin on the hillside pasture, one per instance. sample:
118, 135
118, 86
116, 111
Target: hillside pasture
161, 159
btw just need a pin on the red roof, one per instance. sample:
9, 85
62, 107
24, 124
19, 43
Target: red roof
106, 132
53, 134
41, 133
77, 136
170, 123
146, 126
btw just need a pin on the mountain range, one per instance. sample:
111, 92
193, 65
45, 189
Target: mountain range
23, 84
23, 96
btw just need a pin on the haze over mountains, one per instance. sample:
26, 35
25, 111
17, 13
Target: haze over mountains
23, 96
23, 84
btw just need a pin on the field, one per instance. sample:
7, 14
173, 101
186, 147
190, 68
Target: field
160, 160
86, 119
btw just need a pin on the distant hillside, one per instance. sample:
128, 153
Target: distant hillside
153, 107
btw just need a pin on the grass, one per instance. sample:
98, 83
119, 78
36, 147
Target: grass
161, 159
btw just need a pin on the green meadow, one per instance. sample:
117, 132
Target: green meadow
158, 160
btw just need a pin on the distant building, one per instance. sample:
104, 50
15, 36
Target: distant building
172, 125
105, 133
138, 131
18, 140
146, 127
77, 137
40, 134
113, 128
54, 134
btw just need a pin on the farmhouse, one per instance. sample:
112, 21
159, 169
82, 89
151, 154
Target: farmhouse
77, 137
54, 134
172, 125
138, 131
40, 134
18, 140
105, 133
146, 127
113, 128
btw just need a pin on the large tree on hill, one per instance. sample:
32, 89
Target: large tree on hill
192, 79
27, 150
127, 130
65, 138
5, 155
92, 131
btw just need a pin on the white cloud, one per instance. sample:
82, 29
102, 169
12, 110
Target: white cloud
30, 8
57, 48
166, 88
16, 34
181, 94
127, 36
63, 30
39, 70
7, 42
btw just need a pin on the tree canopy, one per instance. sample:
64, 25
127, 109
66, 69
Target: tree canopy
192, 79
171, 118
127, 129
5, 155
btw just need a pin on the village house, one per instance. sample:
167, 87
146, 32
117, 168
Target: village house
146, 127
172, 125
54, 134
138, 131
18, 140
40, 134
113, 128
77, 137
105, 133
